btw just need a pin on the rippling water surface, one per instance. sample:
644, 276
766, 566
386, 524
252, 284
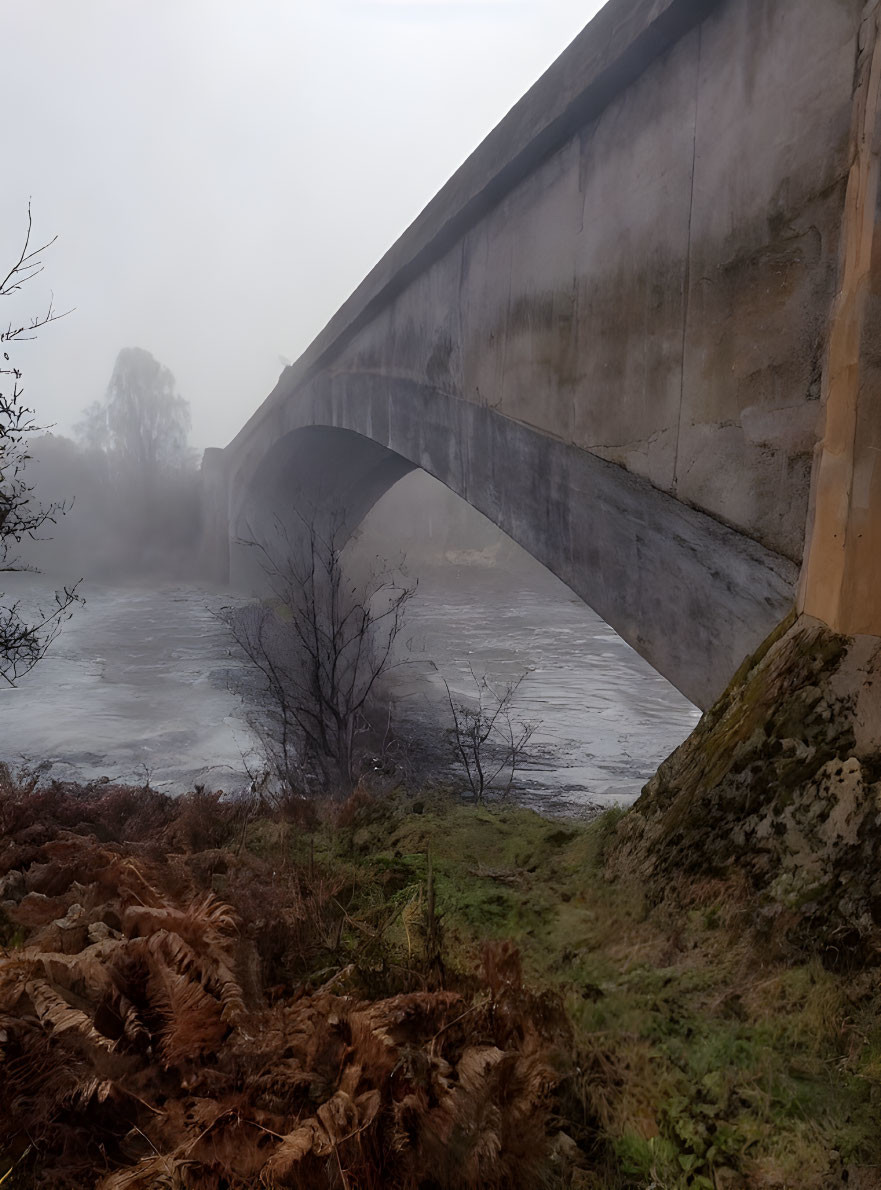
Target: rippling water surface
607, 719
138, 682
135, 683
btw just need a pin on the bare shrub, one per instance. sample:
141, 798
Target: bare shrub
26, 632
487, 740
318, 648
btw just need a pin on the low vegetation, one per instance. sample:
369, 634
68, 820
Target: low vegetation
193, 996
402, 993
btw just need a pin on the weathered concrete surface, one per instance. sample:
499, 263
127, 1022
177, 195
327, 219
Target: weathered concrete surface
636, 268
612, 537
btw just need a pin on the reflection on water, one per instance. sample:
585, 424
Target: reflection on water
138, 681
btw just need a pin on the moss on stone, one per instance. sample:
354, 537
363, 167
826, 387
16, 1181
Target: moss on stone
770, 785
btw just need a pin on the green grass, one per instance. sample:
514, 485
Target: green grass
703, 1062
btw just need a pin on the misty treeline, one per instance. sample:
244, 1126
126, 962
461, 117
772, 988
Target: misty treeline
130, 476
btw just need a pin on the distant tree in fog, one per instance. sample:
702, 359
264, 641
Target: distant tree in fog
146, 516
25, 632
142, 423
91, 430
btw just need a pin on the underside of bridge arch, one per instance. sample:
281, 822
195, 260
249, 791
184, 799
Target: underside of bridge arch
314, 472
691, 595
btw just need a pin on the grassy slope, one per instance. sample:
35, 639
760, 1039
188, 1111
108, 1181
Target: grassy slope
702, 1061
702, 1057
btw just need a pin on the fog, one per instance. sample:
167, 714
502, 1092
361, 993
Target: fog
121, 526
115, 525
222, 175
143, 677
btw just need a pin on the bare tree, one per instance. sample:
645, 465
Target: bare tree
487, 740
142, 423
25, 633
148, 511
318, 647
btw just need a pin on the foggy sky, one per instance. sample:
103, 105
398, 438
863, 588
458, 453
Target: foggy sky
223, 173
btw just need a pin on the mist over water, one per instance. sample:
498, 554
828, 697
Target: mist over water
484, 606
138, 683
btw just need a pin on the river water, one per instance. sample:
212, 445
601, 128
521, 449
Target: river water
605, 718
138, 684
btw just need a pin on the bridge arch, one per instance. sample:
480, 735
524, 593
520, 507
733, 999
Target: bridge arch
609, 331
688, 593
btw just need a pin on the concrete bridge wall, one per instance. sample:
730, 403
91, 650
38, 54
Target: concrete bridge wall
608, 332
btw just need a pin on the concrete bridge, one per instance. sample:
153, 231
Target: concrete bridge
638, 330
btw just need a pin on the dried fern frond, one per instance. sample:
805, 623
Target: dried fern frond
60, 1017
151, 1173
166, 950
94, 1090
128, 1052
205, 922
285, 1166
192, 1020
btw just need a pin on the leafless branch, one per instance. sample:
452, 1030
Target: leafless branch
317, 650
486, 738
25, 634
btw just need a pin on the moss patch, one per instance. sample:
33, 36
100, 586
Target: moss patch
778, 786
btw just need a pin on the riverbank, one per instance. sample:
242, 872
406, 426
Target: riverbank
659, 1045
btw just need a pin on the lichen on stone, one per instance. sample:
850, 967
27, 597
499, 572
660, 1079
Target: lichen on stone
780, 784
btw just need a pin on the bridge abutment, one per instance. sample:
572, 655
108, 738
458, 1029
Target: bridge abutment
841, 580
